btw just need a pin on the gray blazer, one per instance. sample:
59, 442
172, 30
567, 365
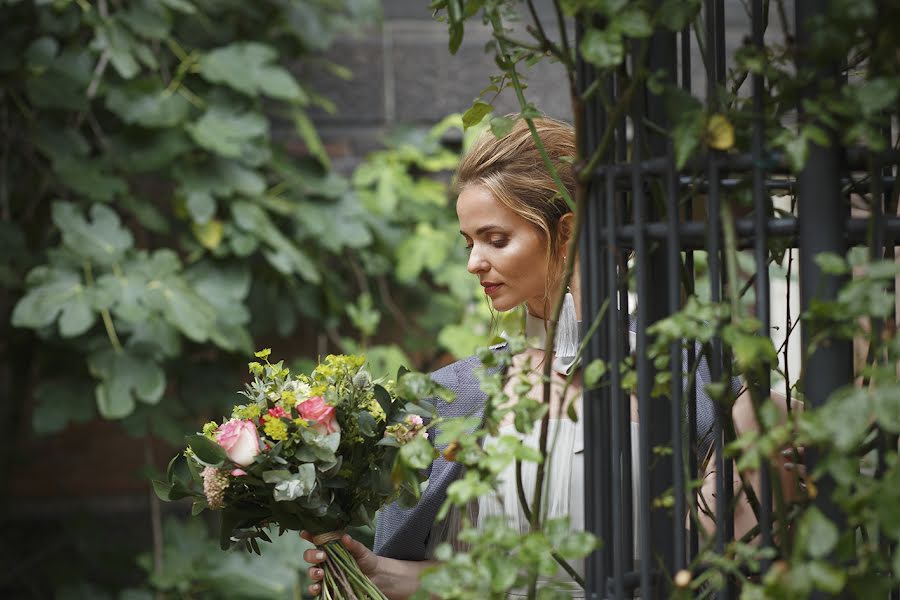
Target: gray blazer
403, 533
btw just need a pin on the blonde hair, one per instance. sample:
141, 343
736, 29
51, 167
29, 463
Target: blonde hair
512, 170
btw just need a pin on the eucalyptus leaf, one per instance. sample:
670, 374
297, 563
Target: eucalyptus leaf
207, 450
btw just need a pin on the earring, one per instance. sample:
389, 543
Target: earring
567, 329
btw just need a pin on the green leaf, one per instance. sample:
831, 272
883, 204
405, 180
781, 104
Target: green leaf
428, 248
120, 46
877, 94
366, 423
124, 377
418, 453
796, 148
816, 533
632, 22
206, 450
307, 132
501, 126
162, 489
363, 315
686, 139
887, 407
181, 6
90, 178
198, 507
675, 15
146, 19
41, 52
55, 293
476, 113
248, 68
281, 253
201, 206
338, 224
150, 151
826, 577
226, 131
300, 484
102, 240
831, 263
603, 48
147, 106
577, 544
276, 475
60, 402
468, 488
593, 372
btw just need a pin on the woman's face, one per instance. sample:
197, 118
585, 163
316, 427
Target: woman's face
506, 252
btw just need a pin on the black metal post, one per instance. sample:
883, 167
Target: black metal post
822, 215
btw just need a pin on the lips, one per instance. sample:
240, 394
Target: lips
491, 288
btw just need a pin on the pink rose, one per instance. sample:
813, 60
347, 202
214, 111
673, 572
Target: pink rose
240, 441
238, 472
277, 412
323, 414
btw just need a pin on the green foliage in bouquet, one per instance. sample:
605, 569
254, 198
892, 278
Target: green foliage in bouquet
320, 452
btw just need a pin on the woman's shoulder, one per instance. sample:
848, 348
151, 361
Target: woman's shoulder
461, 376
451, 373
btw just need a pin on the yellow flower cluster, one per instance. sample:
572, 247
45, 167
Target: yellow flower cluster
375, 410
336, 364
209, 429
276, 429
246, 411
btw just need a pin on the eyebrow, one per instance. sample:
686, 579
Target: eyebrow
484, 228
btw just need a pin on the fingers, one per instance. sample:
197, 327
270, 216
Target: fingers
314, 589
313, 556
316, 574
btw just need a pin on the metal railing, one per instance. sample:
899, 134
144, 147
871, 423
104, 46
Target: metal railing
639, 241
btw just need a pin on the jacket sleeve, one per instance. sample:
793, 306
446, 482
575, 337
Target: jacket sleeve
403, 533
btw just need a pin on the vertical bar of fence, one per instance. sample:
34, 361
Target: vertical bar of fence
616, 497
664, 426
822, 215
596, 401
693, 467
723, 487
673, 256
644, 383
760, 243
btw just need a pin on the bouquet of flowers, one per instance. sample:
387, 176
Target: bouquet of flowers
320, 452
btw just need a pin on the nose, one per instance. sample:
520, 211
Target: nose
477, 263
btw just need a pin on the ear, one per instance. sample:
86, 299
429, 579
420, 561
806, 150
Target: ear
564, 229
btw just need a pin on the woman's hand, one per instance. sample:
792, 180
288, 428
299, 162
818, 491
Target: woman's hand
365, 558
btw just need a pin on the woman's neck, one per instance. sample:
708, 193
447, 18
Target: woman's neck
536, 330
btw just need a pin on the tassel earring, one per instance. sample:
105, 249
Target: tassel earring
566, 345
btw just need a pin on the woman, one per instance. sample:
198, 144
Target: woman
516, 228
